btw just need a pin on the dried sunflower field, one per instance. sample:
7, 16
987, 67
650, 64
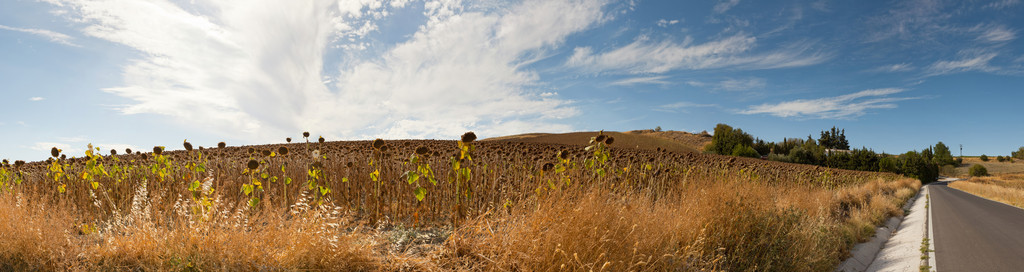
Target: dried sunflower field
434, 205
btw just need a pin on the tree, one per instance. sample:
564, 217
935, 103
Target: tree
657, 129
834, 139
977, 171
745, 151
1000, 158
942, 155
1018, 154
726, 138
983, 157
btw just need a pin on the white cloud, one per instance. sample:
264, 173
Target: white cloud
970, 60
681, 107
256, 71
645, 56
642, 80
839, 107
1001, 4
36, 98
56, 37
666, 23
995, 33
910, 20
725, 5
741, 84
900, 67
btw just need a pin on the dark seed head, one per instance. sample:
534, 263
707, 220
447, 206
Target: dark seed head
600, 138
221, 145
564, 154
113, 152
158, 150
265, 152
423, 150
252, 150
609, 140
253, 164
282, 150
63, 156
321, 140
378, 143
289, 139
19, 163
188, 146
348, 164
305, 134
128, 151
469, 137
548, 167
54, 152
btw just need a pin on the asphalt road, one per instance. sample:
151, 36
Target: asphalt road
975, 234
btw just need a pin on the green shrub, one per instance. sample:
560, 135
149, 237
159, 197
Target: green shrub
978, 171
1000, 158
984, 157
745, 151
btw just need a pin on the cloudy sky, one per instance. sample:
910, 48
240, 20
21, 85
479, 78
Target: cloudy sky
897, 75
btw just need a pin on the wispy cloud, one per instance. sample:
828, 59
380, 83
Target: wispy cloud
732, 84
261, 73
910, 20
995, 33
681, 107
36, 98
969, 60
839, 107
56, 37
900, 67
1001, 4
725, 5
666, 23
642, 80
646, 56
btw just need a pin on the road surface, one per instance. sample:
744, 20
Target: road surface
975, 234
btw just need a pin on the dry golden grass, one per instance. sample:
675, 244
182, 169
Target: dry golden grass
994, 167
1005, 188
651, 211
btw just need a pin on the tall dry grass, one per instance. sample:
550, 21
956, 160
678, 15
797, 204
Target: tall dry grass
1005, 188
649, 211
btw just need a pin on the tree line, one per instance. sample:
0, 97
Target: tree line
832, 149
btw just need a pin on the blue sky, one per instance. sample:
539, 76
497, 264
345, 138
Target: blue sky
897, 75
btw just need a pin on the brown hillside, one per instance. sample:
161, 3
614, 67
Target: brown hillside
622, 140
695, 141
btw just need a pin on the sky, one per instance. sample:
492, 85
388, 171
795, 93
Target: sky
896, 75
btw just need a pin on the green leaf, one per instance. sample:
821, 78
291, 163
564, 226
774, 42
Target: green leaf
194, 186
264, 175
324, 190
247, 189
412, 176
421, 193
254, 201
375, 175
432, 180
344, 179
287, 181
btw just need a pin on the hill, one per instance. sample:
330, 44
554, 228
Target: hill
674, 141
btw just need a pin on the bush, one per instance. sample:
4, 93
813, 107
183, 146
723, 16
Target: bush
978, 171
745, 151
1000, 158
959, 161
726, 139
778, 158
984, 157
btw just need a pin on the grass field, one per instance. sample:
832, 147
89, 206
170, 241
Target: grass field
436, 205
1005, 188
994, 167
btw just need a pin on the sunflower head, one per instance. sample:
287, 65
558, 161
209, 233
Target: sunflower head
548, 167
378, 143
468, 137
253, 164
158, 150
609, 140
188, 146
54, 152
289, 139
422, 150
221, 145
321, 140
282, 150
305, 134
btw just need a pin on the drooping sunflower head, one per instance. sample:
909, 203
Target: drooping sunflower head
468, 137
